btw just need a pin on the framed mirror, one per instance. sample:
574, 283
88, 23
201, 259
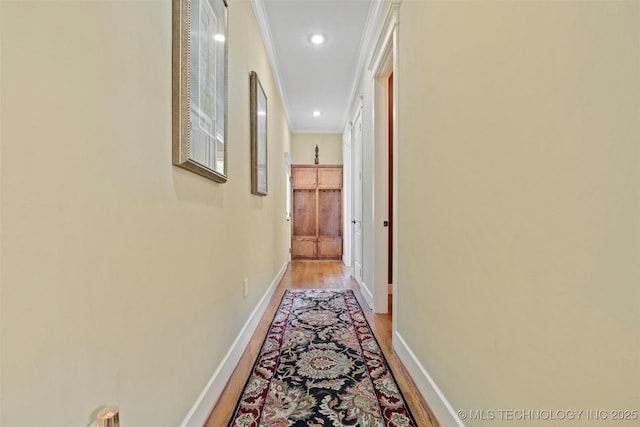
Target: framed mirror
258, 111
200, 87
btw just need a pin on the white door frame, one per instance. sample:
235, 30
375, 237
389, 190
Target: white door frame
288, 196
356, 192
346, 195
384, 62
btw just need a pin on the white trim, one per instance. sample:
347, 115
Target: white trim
356, 189
365, 45
346, 133
265, 31
366, 293
346, 194
287, 159
312, 130
396, 171
438, 403
357, 108
383, 63
200, 411
288, 197
390, 24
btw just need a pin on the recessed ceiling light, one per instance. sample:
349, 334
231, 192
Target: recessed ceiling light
317, 38
316, 113
219, 37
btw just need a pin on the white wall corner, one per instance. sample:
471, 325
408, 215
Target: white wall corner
201, 409
438, 403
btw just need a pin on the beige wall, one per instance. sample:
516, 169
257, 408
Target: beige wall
519, 220
329, 146
121, 275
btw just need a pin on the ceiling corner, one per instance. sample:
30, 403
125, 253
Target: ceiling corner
265, 31
365, 45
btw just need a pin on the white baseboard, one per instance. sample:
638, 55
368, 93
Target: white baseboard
442, 410
366, 293
200, 411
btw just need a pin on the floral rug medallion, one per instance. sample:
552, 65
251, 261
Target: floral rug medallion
321, 366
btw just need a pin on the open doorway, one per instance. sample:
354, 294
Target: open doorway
384, 67
383, 188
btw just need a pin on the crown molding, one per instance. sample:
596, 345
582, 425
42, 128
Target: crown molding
365, 45
390, 23
265, 30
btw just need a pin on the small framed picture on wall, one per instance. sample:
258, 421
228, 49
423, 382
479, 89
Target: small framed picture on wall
258, 113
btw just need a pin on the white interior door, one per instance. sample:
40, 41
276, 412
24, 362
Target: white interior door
357, 197
347, 258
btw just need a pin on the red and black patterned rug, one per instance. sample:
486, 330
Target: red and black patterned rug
320, 365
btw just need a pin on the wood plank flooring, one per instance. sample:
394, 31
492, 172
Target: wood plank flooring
324, 275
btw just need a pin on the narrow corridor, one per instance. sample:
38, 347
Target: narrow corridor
325, 275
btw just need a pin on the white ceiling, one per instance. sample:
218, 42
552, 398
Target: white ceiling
314, 77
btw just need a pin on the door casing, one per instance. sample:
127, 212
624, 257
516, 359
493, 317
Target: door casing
383, 64
356, 190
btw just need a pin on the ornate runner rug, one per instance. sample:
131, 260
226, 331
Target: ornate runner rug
321, 366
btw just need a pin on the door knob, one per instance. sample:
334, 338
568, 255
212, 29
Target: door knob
353, 221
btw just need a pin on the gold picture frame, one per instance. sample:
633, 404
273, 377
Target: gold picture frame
259, 119
200, 29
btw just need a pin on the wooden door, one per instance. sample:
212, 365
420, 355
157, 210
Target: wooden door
303, 244
329, 224
317, 212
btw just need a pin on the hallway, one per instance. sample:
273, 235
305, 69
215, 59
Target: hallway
326, 275
126, 280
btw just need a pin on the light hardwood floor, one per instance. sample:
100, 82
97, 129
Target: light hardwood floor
327, 275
